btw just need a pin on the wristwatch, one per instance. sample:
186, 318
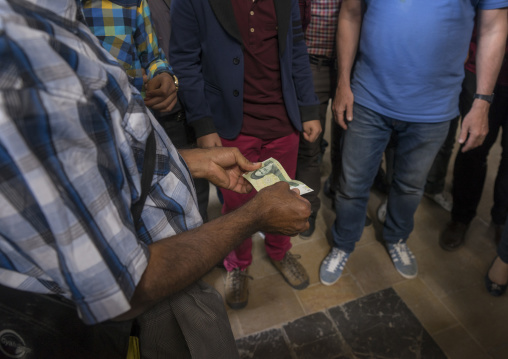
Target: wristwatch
488, 98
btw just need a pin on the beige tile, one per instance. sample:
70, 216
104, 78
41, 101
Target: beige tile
447, 272
458, 344
429, 310
312, 254
372, 268
236, 327
271, 302
485, 317
318, 297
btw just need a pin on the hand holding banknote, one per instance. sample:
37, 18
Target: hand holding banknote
272, 172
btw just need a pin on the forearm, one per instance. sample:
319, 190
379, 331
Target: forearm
179, 261
348, 35
492, 32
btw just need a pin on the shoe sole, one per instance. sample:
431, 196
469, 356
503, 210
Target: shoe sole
407, 276
237, 305
328, 283
299, 286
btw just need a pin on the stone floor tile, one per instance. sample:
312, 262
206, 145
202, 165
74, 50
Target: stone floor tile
269, 344
380, 325
430, 311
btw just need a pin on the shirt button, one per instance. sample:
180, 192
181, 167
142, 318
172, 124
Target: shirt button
251, 29
252, 12
236, 61
236, 93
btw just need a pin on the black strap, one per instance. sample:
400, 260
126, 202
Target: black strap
146, 177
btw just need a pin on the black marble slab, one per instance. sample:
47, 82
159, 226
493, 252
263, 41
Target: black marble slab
377, 326
381, 325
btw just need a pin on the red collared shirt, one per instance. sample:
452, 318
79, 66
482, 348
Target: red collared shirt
264, 113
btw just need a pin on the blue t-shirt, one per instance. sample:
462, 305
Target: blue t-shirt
411, 56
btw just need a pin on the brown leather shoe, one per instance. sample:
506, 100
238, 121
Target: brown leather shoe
453, 236
237, 288
292, 271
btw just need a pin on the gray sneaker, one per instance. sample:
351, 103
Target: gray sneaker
403, 259
381, 211
332, 266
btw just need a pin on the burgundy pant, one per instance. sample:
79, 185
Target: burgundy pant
284, 150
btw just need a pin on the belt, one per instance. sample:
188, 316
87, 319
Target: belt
321, 60
177, 116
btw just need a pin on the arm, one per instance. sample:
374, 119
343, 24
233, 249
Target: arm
160, 89
303, 81
185, 57
492, 31
178, 261
348, 35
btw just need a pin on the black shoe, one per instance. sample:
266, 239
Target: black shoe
453, 236
494, 289
312, 222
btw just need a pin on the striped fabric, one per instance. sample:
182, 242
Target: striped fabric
124, 28
72, 140
320, 34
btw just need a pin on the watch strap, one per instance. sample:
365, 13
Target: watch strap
488, 98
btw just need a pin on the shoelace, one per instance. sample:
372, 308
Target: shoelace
335, 261
403, 252
291, 259
236, 279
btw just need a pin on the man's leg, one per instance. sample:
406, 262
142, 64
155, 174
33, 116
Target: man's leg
469, 173
417, 146
308, 166
238, 260
277, 247
499, 113
362, 148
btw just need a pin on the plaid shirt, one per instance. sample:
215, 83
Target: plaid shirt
126, 31
72, 142
320, 34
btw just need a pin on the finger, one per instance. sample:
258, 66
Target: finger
296, 190
244, 164
306, 136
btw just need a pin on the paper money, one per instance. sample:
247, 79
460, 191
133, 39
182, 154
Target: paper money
272, 172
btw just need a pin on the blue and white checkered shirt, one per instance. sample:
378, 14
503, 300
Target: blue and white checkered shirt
72, 141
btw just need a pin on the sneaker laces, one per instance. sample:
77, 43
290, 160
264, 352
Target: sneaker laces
336, 258
236, 278
290, 261
402, 251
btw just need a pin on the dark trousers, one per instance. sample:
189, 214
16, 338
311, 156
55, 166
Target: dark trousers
308, 163
182, 136
471, 167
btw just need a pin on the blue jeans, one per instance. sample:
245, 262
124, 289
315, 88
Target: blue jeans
362, 148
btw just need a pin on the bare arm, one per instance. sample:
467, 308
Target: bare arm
492, 30
178, 261
348, 35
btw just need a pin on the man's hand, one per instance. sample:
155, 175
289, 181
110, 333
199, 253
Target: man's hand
161, 93
343, 104
210, 140
281, 210
223, 166
475, 125
311, 130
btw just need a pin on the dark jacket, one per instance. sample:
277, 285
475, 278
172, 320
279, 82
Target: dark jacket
207, 57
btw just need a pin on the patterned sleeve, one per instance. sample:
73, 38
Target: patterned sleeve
150, 54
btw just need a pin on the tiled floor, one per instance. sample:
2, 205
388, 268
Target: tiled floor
448, 297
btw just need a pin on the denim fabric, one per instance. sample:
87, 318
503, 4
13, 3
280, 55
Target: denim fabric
362, 148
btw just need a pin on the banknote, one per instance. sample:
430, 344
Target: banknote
272, 172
